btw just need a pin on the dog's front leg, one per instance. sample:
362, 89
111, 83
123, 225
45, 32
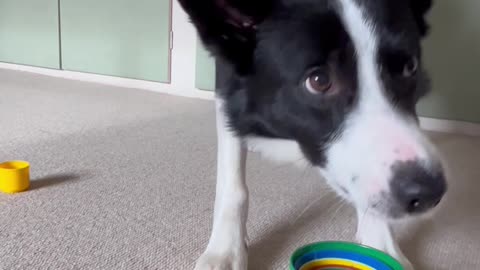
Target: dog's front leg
227, 248
376, 232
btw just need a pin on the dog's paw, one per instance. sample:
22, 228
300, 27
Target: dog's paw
227, 261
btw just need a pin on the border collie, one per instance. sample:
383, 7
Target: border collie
333, 82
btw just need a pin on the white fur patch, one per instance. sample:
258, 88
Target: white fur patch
277, 150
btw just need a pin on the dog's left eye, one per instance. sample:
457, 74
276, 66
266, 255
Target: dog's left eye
318, 82
410, 68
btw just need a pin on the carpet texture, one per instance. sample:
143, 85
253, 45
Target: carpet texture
124, 179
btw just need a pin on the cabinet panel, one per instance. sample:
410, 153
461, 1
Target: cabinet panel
452, 55
124, 38
205, 69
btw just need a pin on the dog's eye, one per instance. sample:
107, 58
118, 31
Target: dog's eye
410, 67
318, 81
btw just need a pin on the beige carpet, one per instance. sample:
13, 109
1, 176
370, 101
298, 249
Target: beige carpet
124, 179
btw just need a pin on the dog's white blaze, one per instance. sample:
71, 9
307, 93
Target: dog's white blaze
363, 36
375, 135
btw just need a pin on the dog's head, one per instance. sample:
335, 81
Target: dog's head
341, 78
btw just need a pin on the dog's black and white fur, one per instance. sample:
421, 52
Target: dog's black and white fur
332, 82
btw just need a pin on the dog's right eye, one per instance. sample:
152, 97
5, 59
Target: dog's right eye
318, 82
410, 68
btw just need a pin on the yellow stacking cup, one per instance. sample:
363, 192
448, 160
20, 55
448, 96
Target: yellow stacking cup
14, 176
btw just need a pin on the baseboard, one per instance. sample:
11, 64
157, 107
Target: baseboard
429, 124
449, 126
165, 88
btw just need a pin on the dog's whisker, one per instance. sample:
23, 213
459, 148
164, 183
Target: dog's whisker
306, 170
310, 205
362, 218
339, 205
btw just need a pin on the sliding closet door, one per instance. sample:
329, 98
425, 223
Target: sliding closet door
29, 32
124, 38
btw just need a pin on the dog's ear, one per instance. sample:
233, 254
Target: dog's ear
420, 9
228, 27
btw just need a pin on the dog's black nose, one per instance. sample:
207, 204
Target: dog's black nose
415, 188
